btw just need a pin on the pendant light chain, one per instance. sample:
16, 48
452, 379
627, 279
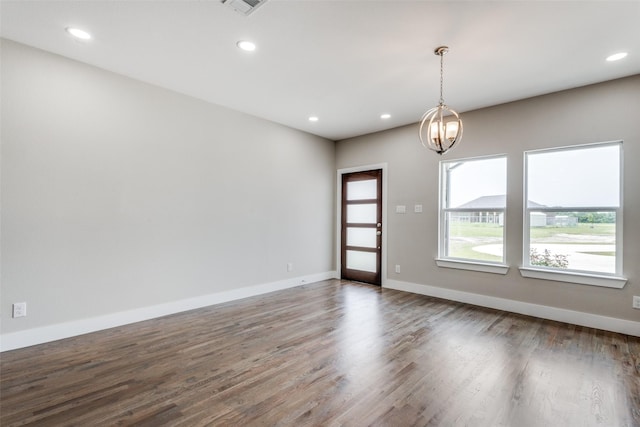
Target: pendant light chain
441, 77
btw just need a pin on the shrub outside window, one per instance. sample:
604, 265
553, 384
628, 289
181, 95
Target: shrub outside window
472, 209
573, 209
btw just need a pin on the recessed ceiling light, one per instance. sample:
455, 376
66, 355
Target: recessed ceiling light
78, 33
385, 116
246, 45
313, 119
616, 56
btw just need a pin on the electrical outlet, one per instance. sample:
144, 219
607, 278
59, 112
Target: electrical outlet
19, 309
636, 302
397, 268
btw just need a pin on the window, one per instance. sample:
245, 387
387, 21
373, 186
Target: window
472, 212
573, 210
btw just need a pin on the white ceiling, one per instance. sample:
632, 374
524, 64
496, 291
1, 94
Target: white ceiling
345, 61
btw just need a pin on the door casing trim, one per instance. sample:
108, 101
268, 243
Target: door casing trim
338, 234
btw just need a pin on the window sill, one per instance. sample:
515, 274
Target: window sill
473, 266
571, 277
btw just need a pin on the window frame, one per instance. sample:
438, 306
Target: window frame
585, 277
442, 260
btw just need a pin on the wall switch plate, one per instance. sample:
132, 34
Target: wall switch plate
417, 209
636, 302
19, 309
401, 209
289, 266
397, 268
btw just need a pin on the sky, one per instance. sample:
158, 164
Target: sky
586, 177
477, 178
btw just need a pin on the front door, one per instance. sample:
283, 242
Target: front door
362, 226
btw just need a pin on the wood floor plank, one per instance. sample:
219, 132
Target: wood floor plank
329, 354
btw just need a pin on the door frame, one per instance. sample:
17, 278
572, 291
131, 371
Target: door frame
338, 238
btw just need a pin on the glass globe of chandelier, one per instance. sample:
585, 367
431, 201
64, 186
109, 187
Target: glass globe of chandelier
440, 127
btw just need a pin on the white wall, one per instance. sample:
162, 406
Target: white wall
118, 195
602, 112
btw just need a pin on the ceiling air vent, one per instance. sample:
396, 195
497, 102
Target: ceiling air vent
244, 7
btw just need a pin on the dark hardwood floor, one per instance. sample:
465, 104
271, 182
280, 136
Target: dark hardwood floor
329, 354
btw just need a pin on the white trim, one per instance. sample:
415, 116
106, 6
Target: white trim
570, 277
443, 190
591, 279
484, 267
29, 337
620, 215
339, 173
573, 147
613, 324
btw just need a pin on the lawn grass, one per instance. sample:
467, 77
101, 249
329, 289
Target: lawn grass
586, 229
487, 233
479, 234
465, 250
475, 230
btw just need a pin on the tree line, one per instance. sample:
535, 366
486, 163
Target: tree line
594, 217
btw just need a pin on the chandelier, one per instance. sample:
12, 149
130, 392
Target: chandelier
440, 127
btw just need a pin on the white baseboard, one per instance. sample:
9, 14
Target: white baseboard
612, 324
29, 337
